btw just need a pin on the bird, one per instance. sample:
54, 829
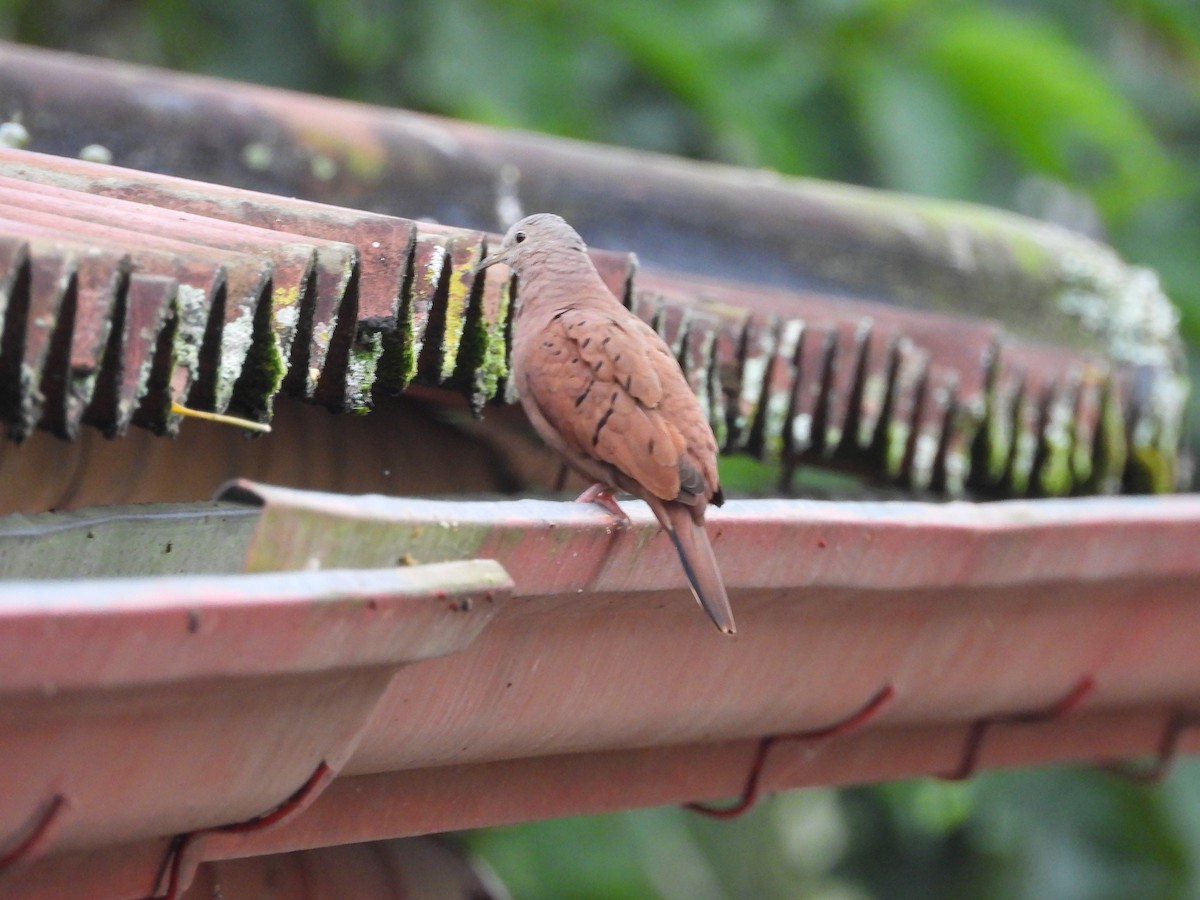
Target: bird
603, 389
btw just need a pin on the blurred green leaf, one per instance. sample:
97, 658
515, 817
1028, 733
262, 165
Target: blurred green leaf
1049, 102
920, 139
1080, 835
590, 858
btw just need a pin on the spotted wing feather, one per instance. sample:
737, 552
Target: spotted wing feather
610, 386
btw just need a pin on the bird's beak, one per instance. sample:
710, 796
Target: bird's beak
496, 257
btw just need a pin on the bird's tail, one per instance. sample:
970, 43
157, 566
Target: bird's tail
699, 563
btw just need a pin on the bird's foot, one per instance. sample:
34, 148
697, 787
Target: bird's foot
602, 495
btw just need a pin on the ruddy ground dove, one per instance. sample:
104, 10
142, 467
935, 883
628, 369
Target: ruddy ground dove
603, 389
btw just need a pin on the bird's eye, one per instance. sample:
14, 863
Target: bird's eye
518, 237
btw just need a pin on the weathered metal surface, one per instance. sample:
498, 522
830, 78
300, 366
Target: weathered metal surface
1059, 371
234, 319
898, 589
964, 612
149, 334
71, 370
307, 447
292, 264
367, 286
419, 868
111, 691
38, 296
1065, 379
367, 807
262, 332
713, 220
920, 398
126, 541
199, 627
929, 400
372, 807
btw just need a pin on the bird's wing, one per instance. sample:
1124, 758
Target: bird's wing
610, 387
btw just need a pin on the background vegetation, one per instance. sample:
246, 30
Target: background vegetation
1083, 113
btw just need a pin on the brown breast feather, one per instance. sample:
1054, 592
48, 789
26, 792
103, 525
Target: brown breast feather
612, 390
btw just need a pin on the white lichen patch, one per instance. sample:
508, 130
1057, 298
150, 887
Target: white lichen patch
802, 432
874, 395
924, 456
716, 398
1161, 423
286, 313
698, 350
427, 279
780, 400
1124, 306
789, 338
236, 339
958, 467
425, 284
287, 317
754, 373
193, 317
361, 371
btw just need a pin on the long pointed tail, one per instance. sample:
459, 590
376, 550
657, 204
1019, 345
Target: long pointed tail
699, 563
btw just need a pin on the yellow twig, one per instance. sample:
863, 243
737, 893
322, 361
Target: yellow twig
181, 410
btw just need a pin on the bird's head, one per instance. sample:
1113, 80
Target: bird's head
534, 236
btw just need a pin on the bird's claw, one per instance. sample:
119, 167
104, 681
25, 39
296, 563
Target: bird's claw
602, 496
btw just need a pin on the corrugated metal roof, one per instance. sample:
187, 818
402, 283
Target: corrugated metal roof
336, 304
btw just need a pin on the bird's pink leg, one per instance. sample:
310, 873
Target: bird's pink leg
602, 495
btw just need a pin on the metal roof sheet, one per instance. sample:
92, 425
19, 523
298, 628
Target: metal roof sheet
922, 398
950, 635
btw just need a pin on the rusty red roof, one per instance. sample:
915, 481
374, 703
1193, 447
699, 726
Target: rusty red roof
338, 306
